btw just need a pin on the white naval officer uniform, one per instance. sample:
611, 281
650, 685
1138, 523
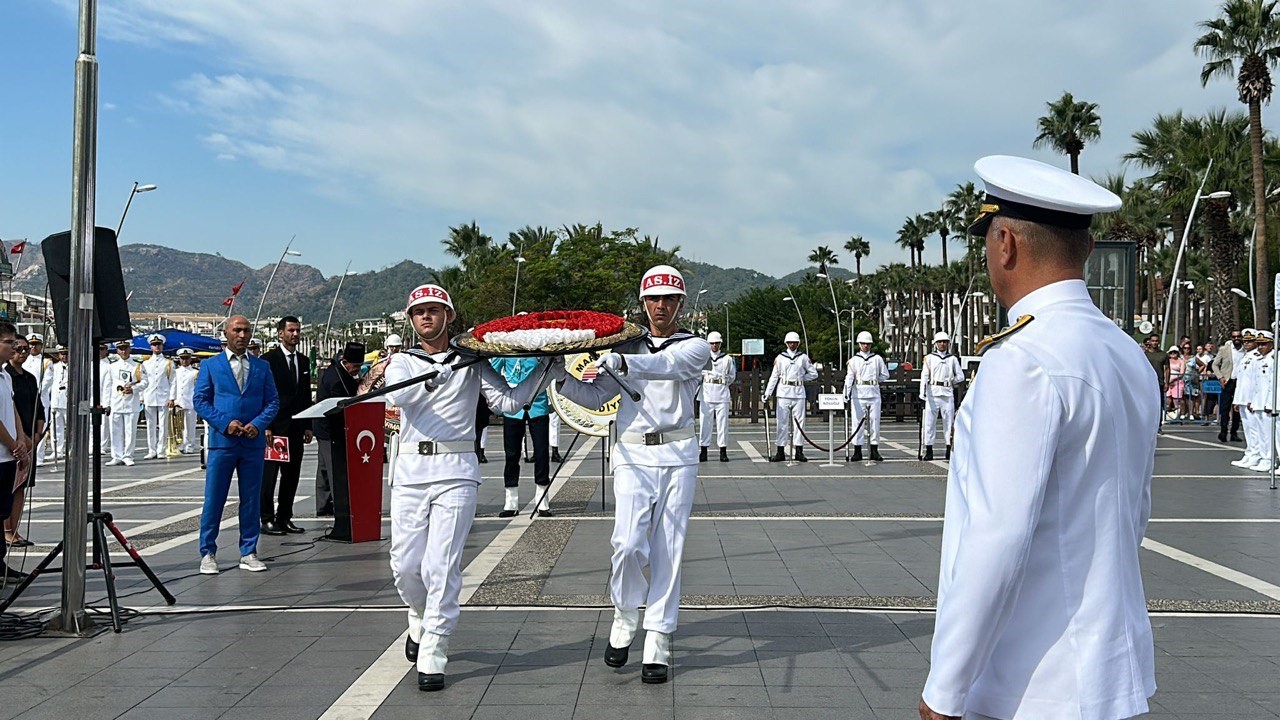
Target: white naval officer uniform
124, 408
866, 372
715, 400
1263, 405
155, 398
55, 388
655, 473
1242, 399
791, 369
433, 500
38, 365
1041, 608
182, 392
939, 376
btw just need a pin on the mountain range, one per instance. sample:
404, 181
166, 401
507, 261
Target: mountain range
162, 279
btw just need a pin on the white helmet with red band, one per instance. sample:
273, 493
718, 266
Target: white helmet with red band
662, 280
428, 293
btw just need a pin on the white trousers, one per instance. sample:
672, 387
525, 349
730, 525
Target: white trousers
1250, 432
58, 426
553, 430
945, 404
651, 516
157, 430
715, 416
45, 445
871, 408
124, 432
789, 408
189, 433
429, 526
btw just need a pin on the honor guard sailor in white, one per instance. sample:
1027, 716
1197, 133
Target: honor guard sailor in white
866, 372
155, 398
1041, 610
939, 376
715, 399
655, 469
55, 386
1244, 396
1262, 404
791, 370
433, 499
123, 390
182, 392
38, 365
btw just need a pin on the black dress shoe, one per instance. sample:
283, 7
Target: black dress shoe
289, 527
653, 673
411, 650
270, 528
857, 453
799, 458
1235, 438
546, 513
430, 683
702, 454
479, 456
928, 453
724, 454
875, 453
507, 513
616, 657
1222, 436
778, 457
555, 456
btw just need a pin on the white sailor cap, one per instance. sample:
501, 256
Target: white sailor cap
1265, 336
427, 294
393, 340
273, 344
1249, 334
865, 337
155, 338
1029, 190
184, 352
123, 344
60, 349
35, 337
792, 336
714, 337
941, 336
255, 342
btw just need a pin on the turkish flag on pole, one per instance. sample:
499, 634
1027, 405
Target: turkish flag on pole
236, 290
228, 302
18, 248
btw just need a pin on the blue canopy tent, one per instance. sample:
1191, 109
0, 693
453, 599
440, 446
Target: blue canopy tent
175, 340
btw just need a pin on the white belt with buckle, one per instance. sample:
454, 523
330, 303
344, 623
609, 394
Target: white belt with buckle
714, 381
656, 438
873, 384
792, 382
940, 384
454, 447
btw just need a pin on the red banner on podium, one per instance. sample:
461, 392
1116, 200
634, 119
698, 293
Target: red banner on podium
364, 469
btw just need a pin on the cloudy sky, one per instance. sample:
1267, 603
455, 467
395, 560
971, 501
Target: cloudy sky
746, 132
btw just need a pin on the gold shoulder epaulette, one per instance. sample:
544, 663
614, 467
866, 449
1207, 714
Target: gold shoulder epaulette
985, 343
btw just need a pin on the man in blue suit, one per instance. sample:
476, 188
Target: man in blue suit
236, 396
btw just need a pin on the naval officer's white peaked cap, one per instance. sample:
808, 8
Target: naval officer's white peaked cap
1025, 189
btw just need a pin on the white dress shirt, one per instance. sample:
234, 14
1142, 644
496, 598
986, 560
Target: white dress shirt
717, 379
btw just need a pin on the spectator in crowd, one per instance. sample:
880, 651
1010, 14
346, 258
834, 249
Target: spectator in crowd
1204, 361
30, 408
1225, 366
1175, 382
15, 446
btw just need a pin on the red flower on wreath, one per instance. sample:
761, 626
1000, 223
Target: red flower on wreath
604, 324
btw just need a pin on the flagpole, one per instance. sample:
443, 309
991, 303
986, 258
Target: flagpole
22, 250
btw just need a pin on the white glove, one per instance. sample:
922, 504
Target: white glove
764, 399
443, 373
611, 361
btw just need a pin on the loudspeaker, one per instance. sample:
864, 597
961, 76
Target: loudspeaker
110, 311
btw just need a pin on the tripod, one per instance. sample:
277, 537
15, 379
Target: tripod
100, 523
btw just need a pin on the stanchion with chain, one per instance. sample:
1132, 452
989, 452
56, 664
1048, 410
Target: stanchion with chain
831, 402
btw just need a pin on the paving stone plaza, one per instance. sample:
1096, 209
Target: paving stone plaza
807, 593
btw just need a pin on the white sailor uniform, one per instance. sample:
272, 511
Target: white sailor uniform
866, 372
155, 396
55, 388
655, 473
715, 400
182, 393
39, 365
433, 500
1263, 406
1041, 609
124, 407
791, 369
939, 376
1244, 396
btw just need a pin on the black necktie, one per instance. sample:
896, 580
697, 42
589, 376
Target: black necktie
293, 366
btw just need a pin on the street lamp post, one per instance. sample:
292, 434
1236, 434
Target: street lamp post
328, 324
726, 322
136, 189
1182, 248
802, 327
697, 299
266, 290
516, 290
822, 273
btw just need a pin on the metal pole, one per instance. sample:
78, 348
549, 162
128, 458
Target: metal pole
1182, 248
263, 299
329, 323
515, 291
75, 520
1275, 382
134, 191
835, 311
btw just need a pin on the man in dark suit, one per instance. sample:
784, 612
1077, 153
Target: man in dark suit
292, 373
340, 379
236, 396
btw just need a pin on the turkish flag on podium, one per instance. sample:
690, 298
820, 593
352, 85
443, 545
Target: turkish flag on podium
357, 433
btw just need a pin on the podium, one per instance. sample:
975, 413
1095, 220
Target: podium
356, 437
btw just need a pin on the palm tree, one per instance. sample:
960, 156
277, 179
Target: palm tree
1247, 32
1068, 126
464, 240
860, 249
942, 221
963, 204
823, 256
